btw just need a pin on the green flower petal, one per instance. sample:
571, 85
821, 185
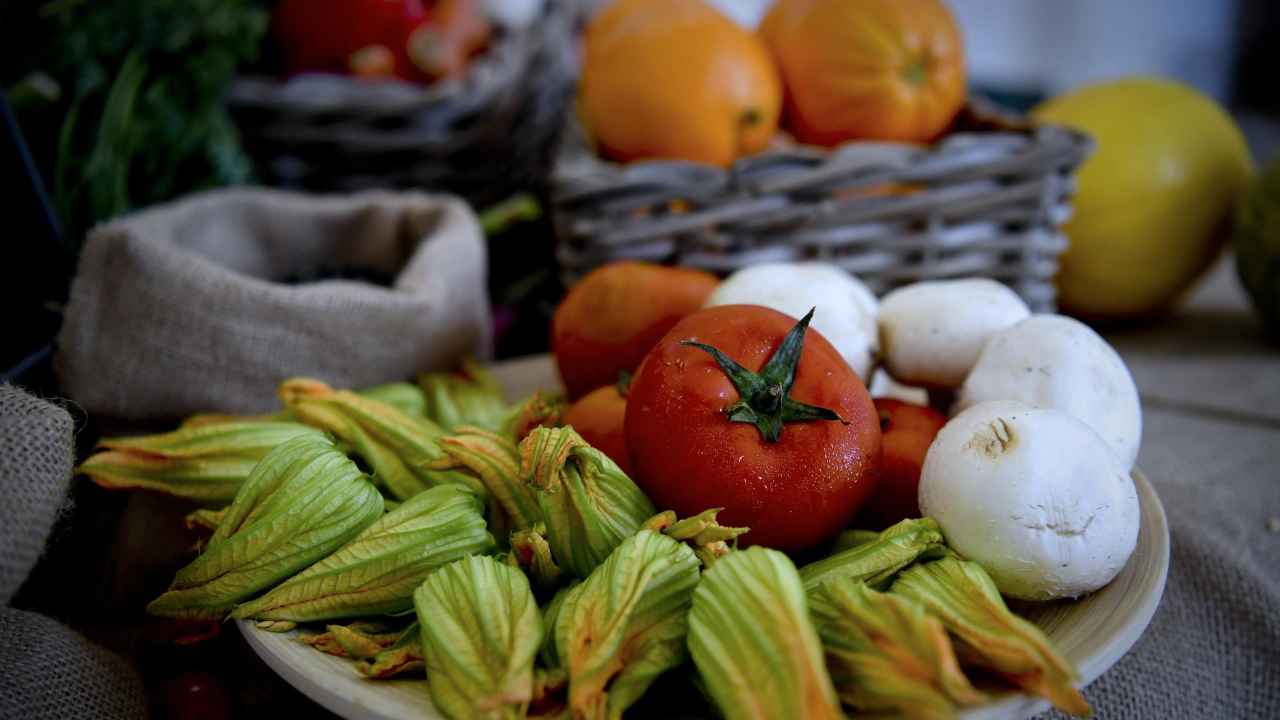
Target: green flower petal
875, 562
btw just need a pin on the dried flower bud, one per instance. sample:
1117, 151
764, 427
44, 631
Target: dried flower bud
480, 631
401, 659
206, 463
625, 624
377, 571
753, 642
962, 595
587, 502
300, 503
877, 561
885, 654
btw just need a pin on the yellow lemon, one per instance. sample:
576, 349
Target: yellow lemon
1154, 202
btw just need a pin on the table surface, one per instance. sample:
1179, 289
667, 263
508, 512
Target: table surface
1209, 378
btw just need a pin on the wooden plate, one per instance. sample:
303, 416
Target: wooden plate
1092, 632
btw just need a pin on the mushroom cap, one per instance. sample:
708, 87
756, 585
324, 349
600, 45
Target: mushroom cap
1034, 496
931, 333
1051, 361
846, 309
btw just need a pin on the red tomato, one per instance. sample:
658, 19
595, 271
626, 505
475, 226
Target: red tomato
197, 695
339, 35
598, 418
908, 432
688, 455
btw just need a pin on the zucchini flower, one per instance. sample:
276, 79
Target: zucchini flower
753, 642
588, 503
494, 460
852, 538
398, 446
708, 538
304, 500
625, 625
470, 396
876, 562
405, 397
207, 464
358, 640
962, 595
377, 571
531, 553
537, 410
886, 655
480, 631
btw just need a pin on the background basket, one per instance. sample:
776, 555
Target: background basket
988, 200
483, 135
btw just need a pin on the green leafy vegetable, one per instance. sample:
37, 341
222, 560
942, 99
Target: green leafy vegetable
143, 83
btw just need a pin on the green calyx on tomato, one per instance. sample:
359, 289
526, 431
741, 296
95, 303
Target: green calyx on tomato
763, 396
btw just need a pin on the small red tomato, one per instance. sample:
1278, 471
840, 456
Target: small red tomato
740, 421
908, 431
598, 418
197, 695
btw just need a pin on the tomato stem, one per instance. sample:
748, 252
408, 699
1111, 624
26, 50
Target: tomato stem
763, 397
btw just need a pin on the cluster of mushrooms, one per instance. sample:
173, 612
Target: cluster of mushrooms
1030, 477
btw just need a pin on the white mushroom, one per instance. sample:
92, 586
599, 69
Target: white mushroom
1032, 495
846, 309
1051, 361
932, 332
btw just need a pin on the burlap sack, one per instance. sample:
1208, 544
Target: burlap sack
52, 672
180, 309
47, 670
36, 456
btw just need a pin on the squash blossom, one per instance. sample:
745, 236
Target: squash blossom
300, 503
875, 562
588, 503
962, 595
398, 446
886, 655
207, 464
470, 396
531, 553
625, 625
494, 460
401, 659
708, 538
480, 631
376, 572
753, 643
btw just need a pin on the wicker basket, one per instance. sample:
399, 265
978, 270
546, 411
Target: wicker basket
483, 135
988, 201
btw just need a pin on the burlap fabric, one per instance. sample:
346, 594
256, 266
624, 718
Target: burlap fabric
36, 456
51, 672
181, 308
1213, 648
47, 670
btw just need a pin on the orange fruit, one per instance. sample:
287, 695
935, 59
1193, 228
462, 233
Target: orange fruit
609, 320
676, 79
871, 69
597, 417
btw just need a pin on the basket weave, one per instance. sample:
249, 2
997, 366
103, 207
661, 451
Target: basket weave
986, 201
482, 135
